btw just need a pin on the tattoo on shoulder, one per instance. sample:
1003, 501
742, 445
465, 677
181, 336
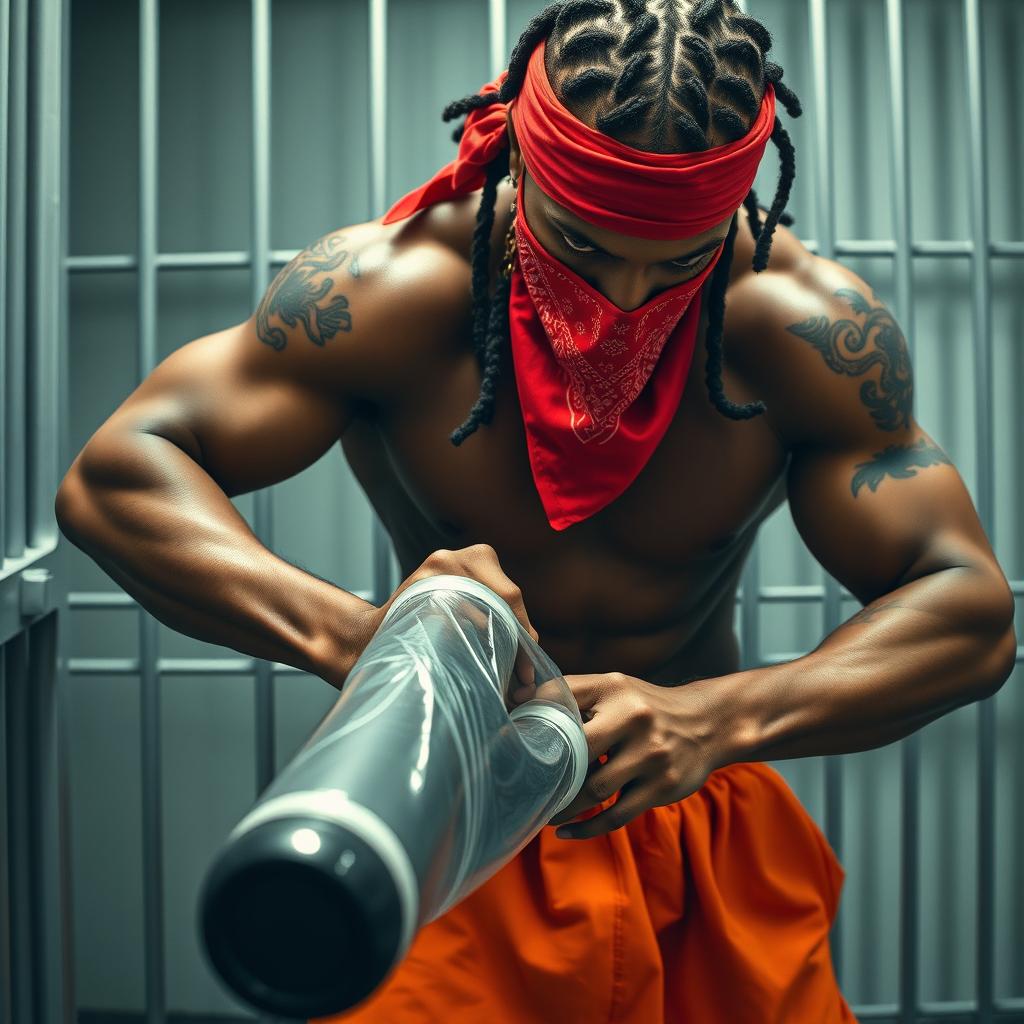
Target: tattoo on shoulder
900, 461
841, 342
295, 297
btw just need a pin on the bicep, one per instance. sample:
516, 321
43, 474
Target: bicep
875, 499
878, 515
260, 401
249, 414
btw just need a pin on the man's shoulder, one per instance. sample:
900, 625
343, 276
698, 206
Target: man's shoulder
816, 343
383, 298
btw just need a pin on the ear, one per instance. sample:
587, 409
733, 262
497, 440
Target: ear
515, 158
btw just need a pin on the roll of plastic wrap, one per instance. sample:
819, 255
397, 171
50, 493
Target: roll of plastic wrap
423, 779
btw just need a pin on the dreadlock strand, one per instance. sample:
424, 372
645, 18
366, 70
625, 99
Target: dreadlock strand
713, 336
745, 53
539, 28
737, 90
753, 28
773, 74
704, 14
480, 255
753, 213
467, 104
728, 123
692, 94
693, 135
589, 42
497, 339
638, 34
626, 116
574, 11
636, 67
787, 172
587, 82
701, 56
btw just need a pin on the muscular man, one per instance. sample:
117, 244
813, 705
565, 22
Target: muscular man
536, 396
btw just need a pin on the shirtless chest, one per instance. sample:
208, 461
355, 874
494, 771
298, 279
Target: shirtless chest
647, 585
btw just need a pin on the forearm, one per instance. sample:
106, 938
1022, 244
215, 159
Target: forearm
929, 647
164, 531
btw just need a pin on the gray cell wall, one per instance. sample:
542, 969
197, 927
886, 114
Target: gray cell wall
321, 165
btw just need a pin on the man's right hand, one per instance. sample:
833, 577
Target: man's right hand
478, 562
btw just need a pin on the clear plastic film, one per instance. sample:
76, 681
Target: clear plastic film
454, 741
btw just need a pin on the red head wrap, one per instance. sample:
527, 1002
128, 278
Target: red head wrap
602, 181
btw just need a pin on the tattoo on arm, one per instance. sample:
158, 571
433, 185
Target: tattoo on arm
293, 297
900, 461
840, 342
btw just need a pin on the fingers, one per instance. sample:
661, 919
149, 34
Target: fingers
602, 782
477, 562
525, 674
633, 800
480, 562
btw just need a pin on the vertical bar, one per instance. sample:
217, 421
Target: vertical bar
823, 192
149, 680
910, 746
263, 523
65, 456
15, 653
7, 383
60, 679
14, 530
382, 579
980, 299
6, 935
48, 837
43, 260
498, 32
50, 821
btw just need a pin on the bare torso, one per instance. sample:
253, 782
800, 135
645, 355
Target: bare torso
646, 586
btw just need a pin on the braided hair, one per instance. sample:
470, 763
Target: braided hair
684, 79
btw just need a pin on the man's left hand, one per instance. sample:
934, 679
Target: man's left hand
660, 743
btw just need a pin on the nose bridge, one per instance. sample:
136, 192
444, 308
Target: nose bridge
630, 288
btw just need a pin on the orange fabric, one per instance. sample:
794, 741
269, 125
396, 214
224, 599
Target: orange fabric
712, 910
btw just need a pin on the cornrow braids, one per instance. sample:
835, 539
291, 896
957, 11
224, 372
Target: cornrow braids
684, 78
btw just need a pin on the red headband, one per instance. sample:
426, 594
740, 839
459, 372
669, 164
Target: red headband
602, 181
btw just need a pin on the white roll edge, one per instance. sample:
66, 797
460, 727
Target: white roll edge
561, 720
335, 805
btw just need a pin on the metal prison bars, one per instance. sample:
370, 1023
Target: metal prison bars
35, 964
261, 258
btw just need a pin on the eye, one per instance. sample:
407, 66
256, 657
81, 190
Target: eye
577, 246
692, 264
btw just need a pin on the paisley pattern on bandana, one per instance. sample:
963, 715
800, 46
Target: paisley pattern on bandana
607, 354
598, 385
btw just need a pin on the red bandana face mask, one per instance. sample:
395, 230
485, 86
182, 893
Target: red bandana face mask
584, 373
598, 385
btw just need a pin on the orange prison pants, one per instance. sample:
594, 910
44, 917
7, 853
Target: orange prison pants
712, 910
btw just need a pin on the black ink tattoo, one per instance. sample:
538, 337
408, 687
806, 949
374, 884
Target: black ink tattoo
900, 461
353, 267
293, 297
890, 400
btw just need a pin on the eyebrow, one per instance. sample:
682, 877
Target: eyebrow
572, 230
